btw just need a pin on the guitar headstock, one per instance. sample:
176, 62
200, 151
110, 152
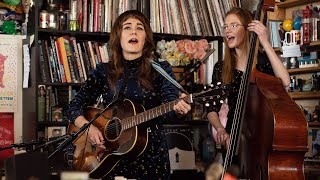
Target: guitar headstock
211, 94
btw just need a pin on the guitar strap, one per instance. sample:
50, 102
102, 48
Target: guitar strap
158, 68
120, 95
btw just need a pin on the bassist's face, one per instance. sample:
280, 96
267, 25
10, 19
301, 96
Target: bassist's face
234, 31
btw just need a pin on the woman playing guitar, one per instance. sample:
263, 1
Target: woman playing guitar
131, 45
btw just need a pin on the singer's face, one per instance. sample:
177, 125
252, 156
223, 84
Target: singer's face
133, 38
234, 31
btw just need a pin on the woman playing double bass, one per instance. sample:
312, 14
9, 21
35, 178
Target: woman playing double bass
237, 27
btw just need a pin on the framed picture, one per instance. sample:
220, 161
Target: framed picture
313, 142
55, 131
276, 33
56, 113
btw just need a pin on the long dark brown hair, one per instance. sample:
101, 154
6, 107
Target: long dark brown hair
229, 62
116, 64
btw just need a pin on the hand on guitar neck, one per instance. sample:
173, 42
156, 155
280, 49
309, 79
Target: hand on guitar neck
182, 107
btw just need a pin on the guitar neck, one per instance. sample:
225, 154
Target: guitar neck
145, 116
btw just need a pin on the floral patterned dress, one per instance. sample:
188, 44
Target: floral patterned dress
154, 162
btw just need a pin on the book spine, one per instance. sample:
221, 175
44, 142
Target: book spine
41, 103
71, 62
74, 47
49, 58
85, 16
93, 59
95, 15
62, 52
82, 61
43, 70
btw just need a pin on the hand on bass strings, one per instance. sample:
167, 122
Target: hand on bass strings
181, 107
223, 137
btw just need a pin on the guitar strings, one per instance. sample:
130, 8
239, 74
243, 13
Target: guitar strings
141, 117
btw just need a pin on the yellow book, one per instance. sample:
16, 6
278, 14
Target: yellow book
63, 56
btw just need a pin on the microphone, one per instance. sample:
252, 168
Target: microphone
196, 66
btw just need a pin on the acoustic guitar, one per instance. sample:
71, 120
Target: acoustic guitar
125, 135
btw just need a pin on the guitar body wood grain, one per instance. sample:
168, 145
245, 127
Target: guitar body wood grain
129, 144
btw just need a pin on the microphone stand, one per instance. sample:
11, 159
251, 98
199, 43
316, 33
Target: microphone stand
197, 65
69, 138
56, 140
21, 145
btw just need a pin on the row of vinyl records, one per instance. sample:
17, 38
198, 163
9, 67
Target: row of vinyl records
64, 60
200, 17
52, 102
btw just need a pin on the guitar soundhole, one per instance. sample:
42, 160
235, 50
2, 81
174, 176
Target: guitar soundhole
113, 129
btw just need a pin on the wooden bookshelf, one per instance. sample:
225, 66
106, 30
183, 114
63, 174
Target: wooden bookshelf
315, 123
304, 70
292, 3
60, 84
313, 46
313, 171
53, 123
305, 95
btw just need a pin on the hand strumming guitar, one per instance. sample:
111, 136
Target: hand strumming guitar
95, 136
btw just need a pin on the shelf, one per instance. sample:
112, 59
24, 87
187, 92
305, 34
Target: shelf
277, 49
313, 46
304, 70
53, 123
93, 36
59, 84
159, 36
87, 35
315, 123
292, 3
187, 123
313, 171
305, 95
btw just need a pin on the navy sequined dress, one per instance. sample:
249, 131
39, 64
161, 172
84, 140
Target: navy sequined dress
154, 162
263, 65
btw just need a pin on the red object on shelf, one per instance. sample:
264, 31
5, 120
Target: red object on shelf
306, 25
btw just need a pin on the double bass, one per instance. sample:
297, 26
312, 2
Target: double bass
269, 130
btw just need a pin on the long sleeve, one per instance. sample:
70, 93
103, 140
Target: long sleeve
168, 91
88, 93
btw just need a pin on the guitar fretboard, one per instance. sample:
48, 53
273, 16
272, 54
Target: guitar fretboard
132, 121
